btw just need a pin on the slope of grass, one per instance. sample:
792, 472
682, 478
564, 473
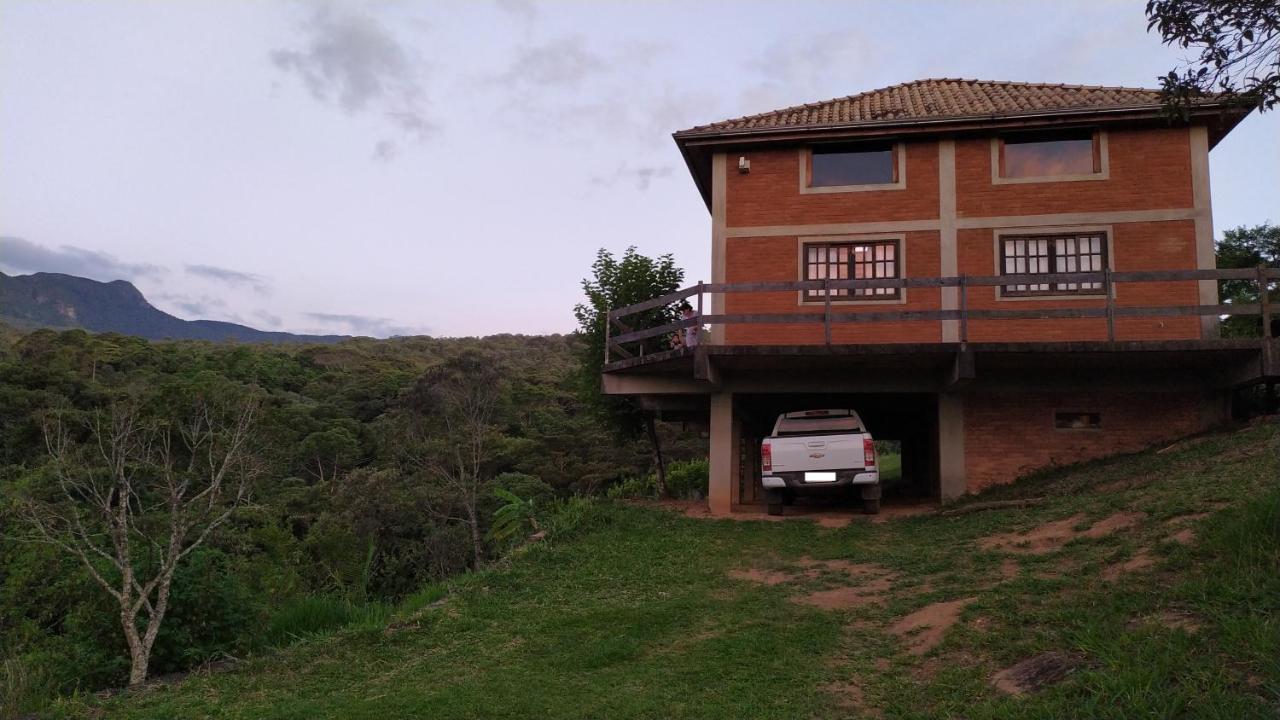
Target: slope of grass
638, 616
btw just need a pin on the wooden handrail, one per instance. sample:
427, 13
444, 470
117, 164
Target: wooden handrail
1106, 279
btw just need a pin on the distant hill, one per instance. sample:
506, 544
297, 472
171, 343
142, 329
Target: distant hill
54, 300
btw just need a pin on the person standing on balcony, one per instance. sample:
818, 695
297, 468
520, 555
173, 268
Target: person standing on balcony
691, 332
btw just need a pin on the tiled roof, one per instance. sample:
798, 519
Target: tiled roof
939, 99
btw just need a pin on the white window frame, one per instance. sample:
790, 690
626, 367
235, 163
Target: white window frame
998, 240
899, 238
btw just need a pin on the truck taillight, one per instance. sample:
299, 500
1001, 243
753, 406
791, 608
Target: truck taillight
868, 452
766, 457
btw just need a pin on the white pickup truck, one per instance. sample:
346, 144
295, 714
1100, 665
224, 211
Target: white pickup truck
819, 451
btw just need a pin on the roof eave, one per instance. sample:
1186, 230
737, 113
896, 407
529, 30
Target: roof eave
690, 139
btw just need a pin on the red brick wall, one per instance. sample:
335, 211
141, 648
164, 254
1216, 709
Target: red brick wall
1007, 435
1135, 246
777, 259
1149, 169
770, 193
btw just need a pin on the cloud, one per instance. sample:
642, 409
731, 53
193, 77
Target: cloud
385, 151
270, 320
563, 62
365, 325
523, 10
802, 69
231, 277
19, 255
567, 89
350, 60
639, 176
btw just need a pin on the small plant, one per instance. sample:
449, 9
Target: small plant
512, 519
571, 516
639, 486
23, 687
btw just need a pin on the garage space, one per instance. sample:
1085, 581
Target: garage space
907, 420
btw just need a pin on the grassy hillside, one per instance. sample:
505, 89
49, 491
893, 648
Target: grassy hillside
1147, 586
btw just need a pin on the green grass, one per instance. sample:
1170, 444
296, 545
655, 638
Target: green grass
890, 465
634, 616
318, 615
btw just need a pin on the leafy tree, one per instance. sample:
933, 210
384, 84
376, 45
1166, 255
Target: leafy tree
326, 453
136, 497
615, 283
460, 400
1239, 45
1247, 247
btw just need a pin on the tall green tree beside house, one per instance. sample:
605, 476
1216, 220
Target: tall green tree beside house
614, 283
1247, 247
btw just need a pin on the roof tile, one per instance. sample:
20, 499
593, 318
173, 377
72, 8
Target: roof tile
940, 99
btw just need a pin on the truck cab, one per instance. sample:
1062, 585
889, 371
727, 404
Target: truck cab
819, 451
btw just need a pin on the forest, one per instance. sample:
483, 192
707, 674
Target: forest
309, 485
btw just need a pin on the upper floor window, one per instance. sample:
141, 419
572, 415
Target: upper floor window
1045, 254
874, 260
847, 167
1070, 154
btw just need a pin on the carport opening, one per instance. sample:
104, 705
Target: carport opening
905, 427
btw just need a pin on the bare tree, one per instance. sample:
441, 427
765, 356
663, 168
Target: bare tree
138, 496
462, 398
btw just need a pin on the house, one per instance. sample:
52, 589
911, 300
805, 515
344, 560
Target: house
1003, 276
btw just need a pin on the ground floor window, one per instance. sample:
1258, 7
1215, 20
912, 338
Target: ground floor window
1045, 254
858, 260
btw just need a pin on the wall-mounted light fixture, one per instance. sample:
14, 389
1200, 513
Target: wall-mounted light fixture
744, 165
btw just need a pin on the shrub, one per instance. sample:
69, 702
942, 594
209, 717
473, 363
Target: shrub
24, 686
571, 516
641, 486
526, 487
687, 479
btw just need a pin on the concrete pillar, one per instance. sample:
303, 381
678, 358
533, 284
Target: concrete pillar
951, 476
718, 247
1206, 259
947, 243
726, 441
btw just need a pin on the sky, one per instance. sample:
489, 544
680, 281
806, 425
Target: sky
451, 168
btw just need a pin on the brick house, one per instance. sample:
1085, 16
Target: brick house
1003, 276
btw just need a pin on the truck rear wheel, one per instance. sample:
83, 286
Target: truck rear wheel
871, 507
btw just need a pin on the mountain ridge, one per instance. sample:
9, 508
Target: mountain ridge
63, 302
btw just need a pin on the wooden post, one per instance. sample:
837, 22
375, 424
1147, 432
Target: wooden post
1264, 302
964, 310
698, 334
1111, 304
826, 309
608, 334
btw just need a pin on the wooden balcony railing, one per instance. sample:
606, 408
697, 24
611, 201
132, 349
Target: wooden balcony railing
616, 344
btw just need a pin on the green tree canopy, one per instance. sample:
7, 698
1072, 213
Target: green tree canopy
1239, 45
1247, 247
614, 283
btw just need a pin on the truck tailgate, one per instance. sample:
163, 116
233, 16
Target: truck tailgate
817, 452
